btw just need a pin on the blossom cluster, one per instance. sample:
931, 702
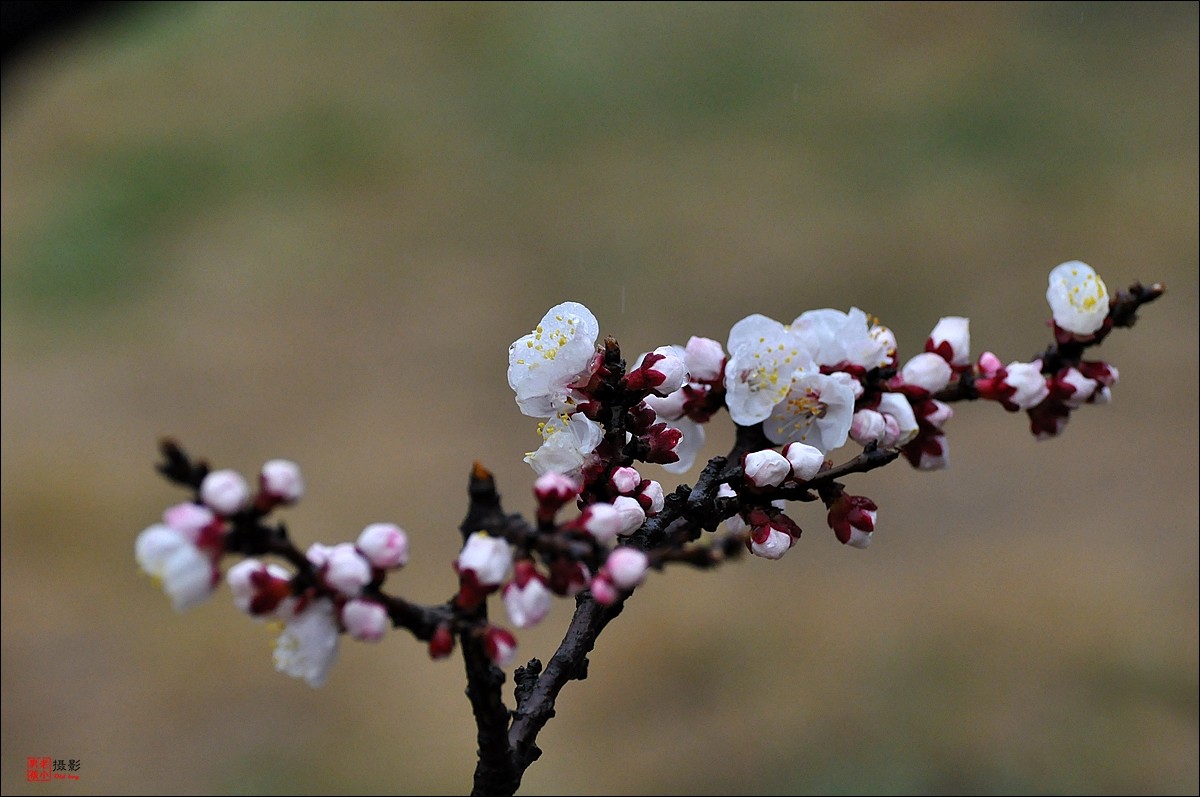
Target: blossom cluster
797, 392
329, 597
813, 384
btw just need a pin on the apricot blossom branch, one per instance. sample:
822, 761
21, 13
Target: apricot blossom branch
797, 393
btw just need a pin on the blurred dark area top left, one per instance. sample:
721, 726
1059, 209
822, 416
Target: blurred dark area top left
27, 25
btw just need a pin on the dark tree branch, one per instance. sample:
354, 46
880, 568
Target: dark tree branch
495, 772
568, 662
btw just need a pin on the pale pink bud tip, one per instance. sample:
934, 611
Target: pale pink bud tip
225, 492
280, 479
189, 519
631, 513
806, 461
385, 545
603, 590
705, 358
852, 518
652, 498
766, 468
927, 371
867, 427
527, 598
625, 480
951, 340
770, 543
555, 488
626, 567
365, 620
602, 521
347, 571
1028, 384
488, 557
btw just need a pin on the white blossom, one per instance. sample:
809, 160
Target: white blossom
764, 358
543, 365
567, 440
817, 410
187, 573
1078, 297
833, 338
308, 645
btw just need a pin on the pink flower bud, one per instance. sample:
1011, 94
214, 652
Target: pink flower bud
806, 461
766, 468
625, 480
631, 513
602, 521
526, 597
951, 340
673, 370
500, 645
661, 441
552, 490
488, 557
1048, 419
365, 620
1028, 384
1075, 388
190, 519
705, 359
899, 419
867, 427
280, 480
662, 371
927, 371
770, 543
603, 590
670, 408
772, 533
650, 496
989, 364
626, 567
225, 492
385, 545
318, 554
347, 571
852, 518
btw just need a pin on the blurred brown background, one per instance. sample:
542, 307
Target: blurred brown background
311, 231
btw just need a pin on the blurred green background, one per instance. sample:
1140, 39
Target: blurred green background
311, 230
